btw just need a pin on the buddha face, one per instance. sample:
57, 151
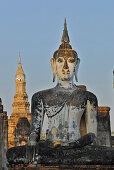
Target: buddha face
65, 68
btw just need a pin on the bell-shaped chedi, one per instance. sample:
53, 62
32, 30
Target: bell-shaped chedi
20, 104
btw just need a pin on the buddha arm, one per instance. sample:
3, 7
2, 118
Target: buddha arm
91, 117
37, 115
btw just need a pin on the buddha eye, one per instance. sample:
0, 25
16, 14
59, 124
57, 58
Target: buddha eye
71, 60
60, 60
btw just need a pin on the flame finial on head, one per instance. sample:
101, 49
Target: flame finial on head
65, 50
65, 37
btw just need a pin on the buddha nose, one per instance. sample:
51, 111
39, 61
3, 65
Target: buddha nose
65, 65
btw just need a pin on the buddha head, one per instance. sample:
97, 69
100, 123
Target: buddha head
65, 61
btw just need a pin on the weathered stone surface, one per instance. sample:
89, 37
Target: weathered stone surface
104, 130
3, 136
22, 131
61, 167
57, 104
68, 116
43, 154
112, 137
59, 112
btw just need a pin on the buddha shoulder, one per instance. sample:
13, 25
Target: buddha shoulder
55, 97
86, 95
45, 95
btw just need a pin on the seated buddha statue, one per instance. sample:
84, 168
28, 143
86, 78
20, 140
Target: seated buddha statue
57, 112
66, 116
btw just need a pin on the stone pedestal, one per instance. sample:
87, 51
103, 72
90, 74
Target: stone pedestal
44, 158
63, 167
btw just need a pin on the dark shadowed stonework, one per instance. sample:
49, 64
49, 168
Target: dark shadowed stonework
22, 131
42, 153
112, 137
62, 167
3, 136
104, 131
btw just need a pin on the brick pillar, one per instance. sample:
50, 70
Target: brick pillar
0, 144
83, 87
3, 137
1, 110
104, 130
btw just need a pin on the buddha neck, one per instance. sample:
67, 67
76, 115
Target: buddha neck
66, 84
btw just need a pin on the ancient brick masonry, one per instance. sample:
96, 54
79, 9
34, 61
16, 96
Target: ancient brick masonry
104, 130
3, 136
103, 120
20, 110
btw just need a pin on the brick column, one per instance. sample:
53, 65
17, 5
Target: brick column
3, 136
83, 87
104, 130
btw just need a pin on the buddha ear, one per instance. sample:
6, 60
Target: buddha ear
53, 64
76, 69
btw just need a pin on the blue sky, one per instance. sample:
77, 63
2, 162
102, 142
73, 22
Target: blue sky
34, 27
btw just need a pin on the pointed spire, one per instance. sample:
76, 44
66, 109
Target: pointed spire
20, 69
65, 37
19, 58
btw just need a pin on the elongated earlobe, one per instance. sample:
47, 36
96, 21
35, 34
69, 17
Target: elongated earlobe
76, 69
53, 64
